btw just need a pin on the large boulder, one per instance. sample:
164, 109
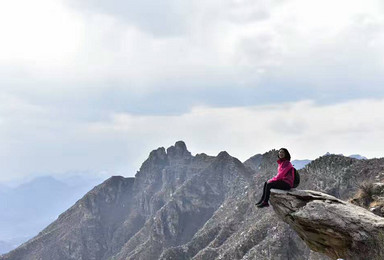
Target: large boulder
331, 226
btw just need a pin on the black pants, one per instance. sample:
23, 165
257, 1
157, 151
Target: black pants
281, 185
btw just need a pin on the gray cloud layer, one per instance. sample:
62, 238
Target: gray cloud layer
68, 65
172, 17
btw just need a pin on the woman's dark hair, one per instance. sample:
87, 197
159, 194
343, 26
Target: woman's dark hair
287, 155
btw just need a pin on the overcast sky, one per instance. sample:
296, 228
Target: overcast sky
92, 86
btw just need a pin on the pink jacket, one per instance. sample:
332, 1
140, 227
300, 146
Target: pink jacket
284, 172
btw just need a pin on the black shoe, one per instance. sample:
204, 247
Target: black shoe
258, 203
263, 204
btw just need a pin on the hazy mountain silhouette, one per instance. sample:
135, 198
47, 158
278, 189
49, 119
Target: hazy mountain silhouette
31, 206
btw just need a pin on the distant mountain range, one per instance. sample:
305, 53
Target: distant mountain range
299, 164
6, 247
29, 207
358, 156
180, 206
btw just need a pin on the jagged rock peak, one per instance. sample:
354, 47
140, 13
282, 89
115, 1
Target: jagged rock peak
333, 159
223, 155
179, 150
157, 160
254, 162
112, 182
158, 153
117, 179
331, 226
272, 155
255, 157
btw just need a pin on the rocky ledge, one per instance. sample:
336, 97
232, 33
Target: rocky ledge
331, 226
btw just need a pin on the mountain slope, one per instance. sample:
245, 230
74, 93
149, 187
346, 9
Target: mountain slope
31, 206
84, 230
180, 206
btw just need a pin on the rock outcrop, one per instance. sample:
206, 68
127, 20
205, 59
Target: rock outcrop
331, 226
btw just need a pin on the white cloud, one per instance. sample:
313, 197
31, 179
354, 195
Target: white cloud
69, 75
242, 42
38, 34
309, 130
36, 141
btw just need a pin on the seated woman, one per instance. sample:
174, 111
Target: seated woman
283, 180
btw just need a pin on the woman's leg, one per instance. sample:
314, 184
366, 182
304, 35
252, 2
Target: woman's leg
282, 185
263, 195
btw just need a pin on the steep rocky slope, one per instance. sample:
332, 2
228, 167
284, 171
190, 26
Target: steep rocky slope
86, 230
181, 206
341, 176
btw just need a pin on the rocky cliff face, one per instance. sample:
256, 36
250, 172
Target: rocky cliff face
331, 226
180, 206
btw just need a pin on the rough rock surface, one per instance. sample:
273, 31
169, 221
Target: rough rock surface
328, 225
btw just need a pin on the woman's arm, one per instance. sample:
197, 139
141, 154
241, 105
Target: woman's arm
283, 170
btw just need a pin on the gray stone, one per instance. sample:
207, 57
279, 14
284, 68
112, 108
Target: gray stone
331, 226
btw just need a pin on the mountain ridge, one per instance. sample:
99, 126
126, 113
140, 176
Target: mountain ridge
180, 206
